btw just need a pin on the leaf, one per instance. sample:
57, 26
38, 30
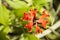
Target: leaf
51, 36
0, 3
29, 2
39, 2
22, 37
20, 12
4, 15
1, 27
6, 29
17, 4
32, 37
27, 37
53, 16
3, 36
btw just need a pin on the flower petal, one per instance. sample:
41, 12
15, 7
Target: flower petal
38, 29
26, 16
44, 14
29, 26
43, 22
33, 13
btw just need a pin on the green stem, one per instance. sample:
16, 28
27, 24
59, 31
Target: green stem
56, 33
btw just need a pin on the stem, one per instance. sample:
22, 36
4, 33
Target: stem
57, 34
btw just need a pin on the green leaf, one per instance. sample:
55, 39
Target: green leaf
20, 12
6, 29
53, 16
3, 36
27, 37
0, 3
1, 28
32, 37
4, 15
22, 37
17, 4
37, 2
29, 2
51, 36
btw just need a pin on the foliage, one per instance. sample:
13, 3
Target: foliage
12, 15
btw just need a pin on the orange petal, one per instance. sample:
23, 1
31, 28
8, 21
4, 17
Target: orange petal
33, 13
44, 14
29, 26
26, 16
43, 22
38, 29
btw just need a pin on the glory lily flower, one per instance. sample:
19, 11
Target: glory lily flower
33, 12
38, 29
44, 14
29, 26
43, 22
26, 16
31, 16
42, 19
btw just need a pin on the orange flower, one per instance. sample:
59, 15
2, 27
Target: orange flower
38, 29
44, 14
42, 19
26, 16
29, 26
43, 22
32, 16
33, 13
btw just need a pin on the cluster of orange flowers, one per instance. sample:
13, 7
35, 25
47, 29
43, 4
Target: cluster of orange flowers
31, 16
